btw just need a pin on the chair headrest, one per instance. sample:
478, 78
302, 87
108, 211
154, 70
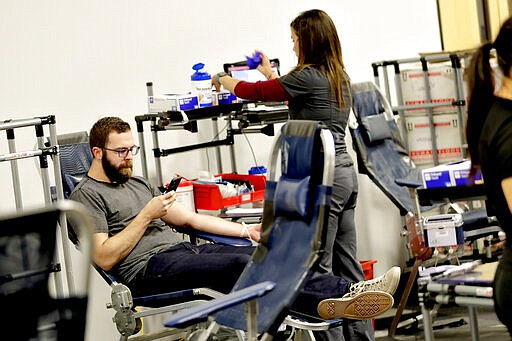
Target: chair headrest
376, 128
292, 197
367, 102
369, 111
299, 140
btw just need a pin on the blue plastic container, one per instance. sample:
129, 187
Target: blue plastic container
258, 170
202, 85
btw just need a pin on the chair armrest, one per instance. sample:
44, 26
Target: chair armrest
215, 238
428, 196
304, 321
218, 239
201, 312
412, 180
159, 300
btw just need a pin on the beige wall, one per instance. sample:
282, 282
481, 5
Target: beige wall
459, 24
499, 11
459, 21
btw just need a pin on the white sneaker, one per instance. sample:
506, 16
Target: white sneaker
363, 305
388, 282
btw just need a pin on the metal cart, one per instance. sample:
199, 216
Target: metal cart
43, 150
428, 101
187, 120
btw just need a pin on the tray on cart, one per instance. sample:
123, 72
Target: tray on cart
207, 196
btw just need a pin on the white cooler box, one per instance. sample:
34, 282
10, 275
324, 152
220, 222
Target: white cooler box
447, 132
443, 230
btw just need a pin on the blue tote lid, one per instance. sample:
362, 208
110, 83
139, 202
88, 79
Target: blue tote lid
258, 170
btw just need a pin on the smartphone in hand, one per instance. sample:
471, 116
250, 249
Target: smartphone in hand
173, 185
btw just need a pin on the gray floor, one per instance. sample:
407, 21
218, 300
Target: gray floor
490, 328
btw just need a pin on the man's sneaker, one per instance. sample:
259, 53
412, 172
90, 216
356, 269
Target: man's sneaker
364, 305
388, 282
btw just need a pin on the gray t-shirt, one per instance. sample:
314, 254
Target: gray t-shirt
312, 99
113, 206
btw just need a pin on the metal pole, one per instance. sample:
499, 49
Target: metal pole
386, 83
11, 124
14, 170
232, 147
428, 100
215, 130
427, 322
142, 142
43, 165
156, 151
251, 312
376, 79
400, 102
460, 101
62, 220
473, 318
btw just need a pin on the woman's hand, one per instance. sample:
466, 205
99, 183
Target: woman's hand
265, 67
216, 83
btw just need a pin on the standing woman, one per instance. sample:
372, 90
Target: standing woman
318, 88
489, 134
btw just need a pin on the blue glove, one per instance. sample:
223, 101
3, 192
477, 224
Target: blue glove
254, 61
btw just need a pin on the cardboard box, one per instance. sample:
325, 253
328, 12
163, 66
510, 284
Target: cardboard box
447, 132
443, 230
459, 173
438, 176
161, 103
442, 85
224, 97
447, 175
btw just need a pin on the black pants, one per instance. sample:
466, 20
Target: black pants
215, 266
502, 289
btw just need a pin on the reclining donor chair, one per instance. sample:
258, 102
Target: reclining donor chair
382, 156
29, 268
295, 212
75, 160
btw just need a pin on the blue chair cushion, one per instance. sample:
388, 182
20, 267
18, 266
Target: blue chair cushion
376, 128
291, 196
366, 100
299, 142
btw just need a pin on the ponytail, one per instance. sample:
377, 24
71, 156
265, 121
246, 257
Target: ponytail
481, 86
481, 92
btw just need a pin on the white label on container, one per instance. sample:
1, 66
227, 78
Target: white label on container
203, 89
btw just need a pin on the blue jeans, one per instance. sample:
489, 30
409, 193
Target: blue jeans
218, 267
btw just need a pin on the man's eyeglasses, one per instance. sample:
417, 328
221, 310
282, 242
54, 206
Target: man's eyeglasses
123, 152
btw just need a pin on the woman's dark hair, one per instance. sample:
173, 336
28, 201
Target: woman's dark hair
319, 47
481, 85
103, 127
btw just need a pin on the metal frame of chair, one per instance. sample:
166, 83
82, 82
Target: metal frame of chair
28, 242
44, 126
